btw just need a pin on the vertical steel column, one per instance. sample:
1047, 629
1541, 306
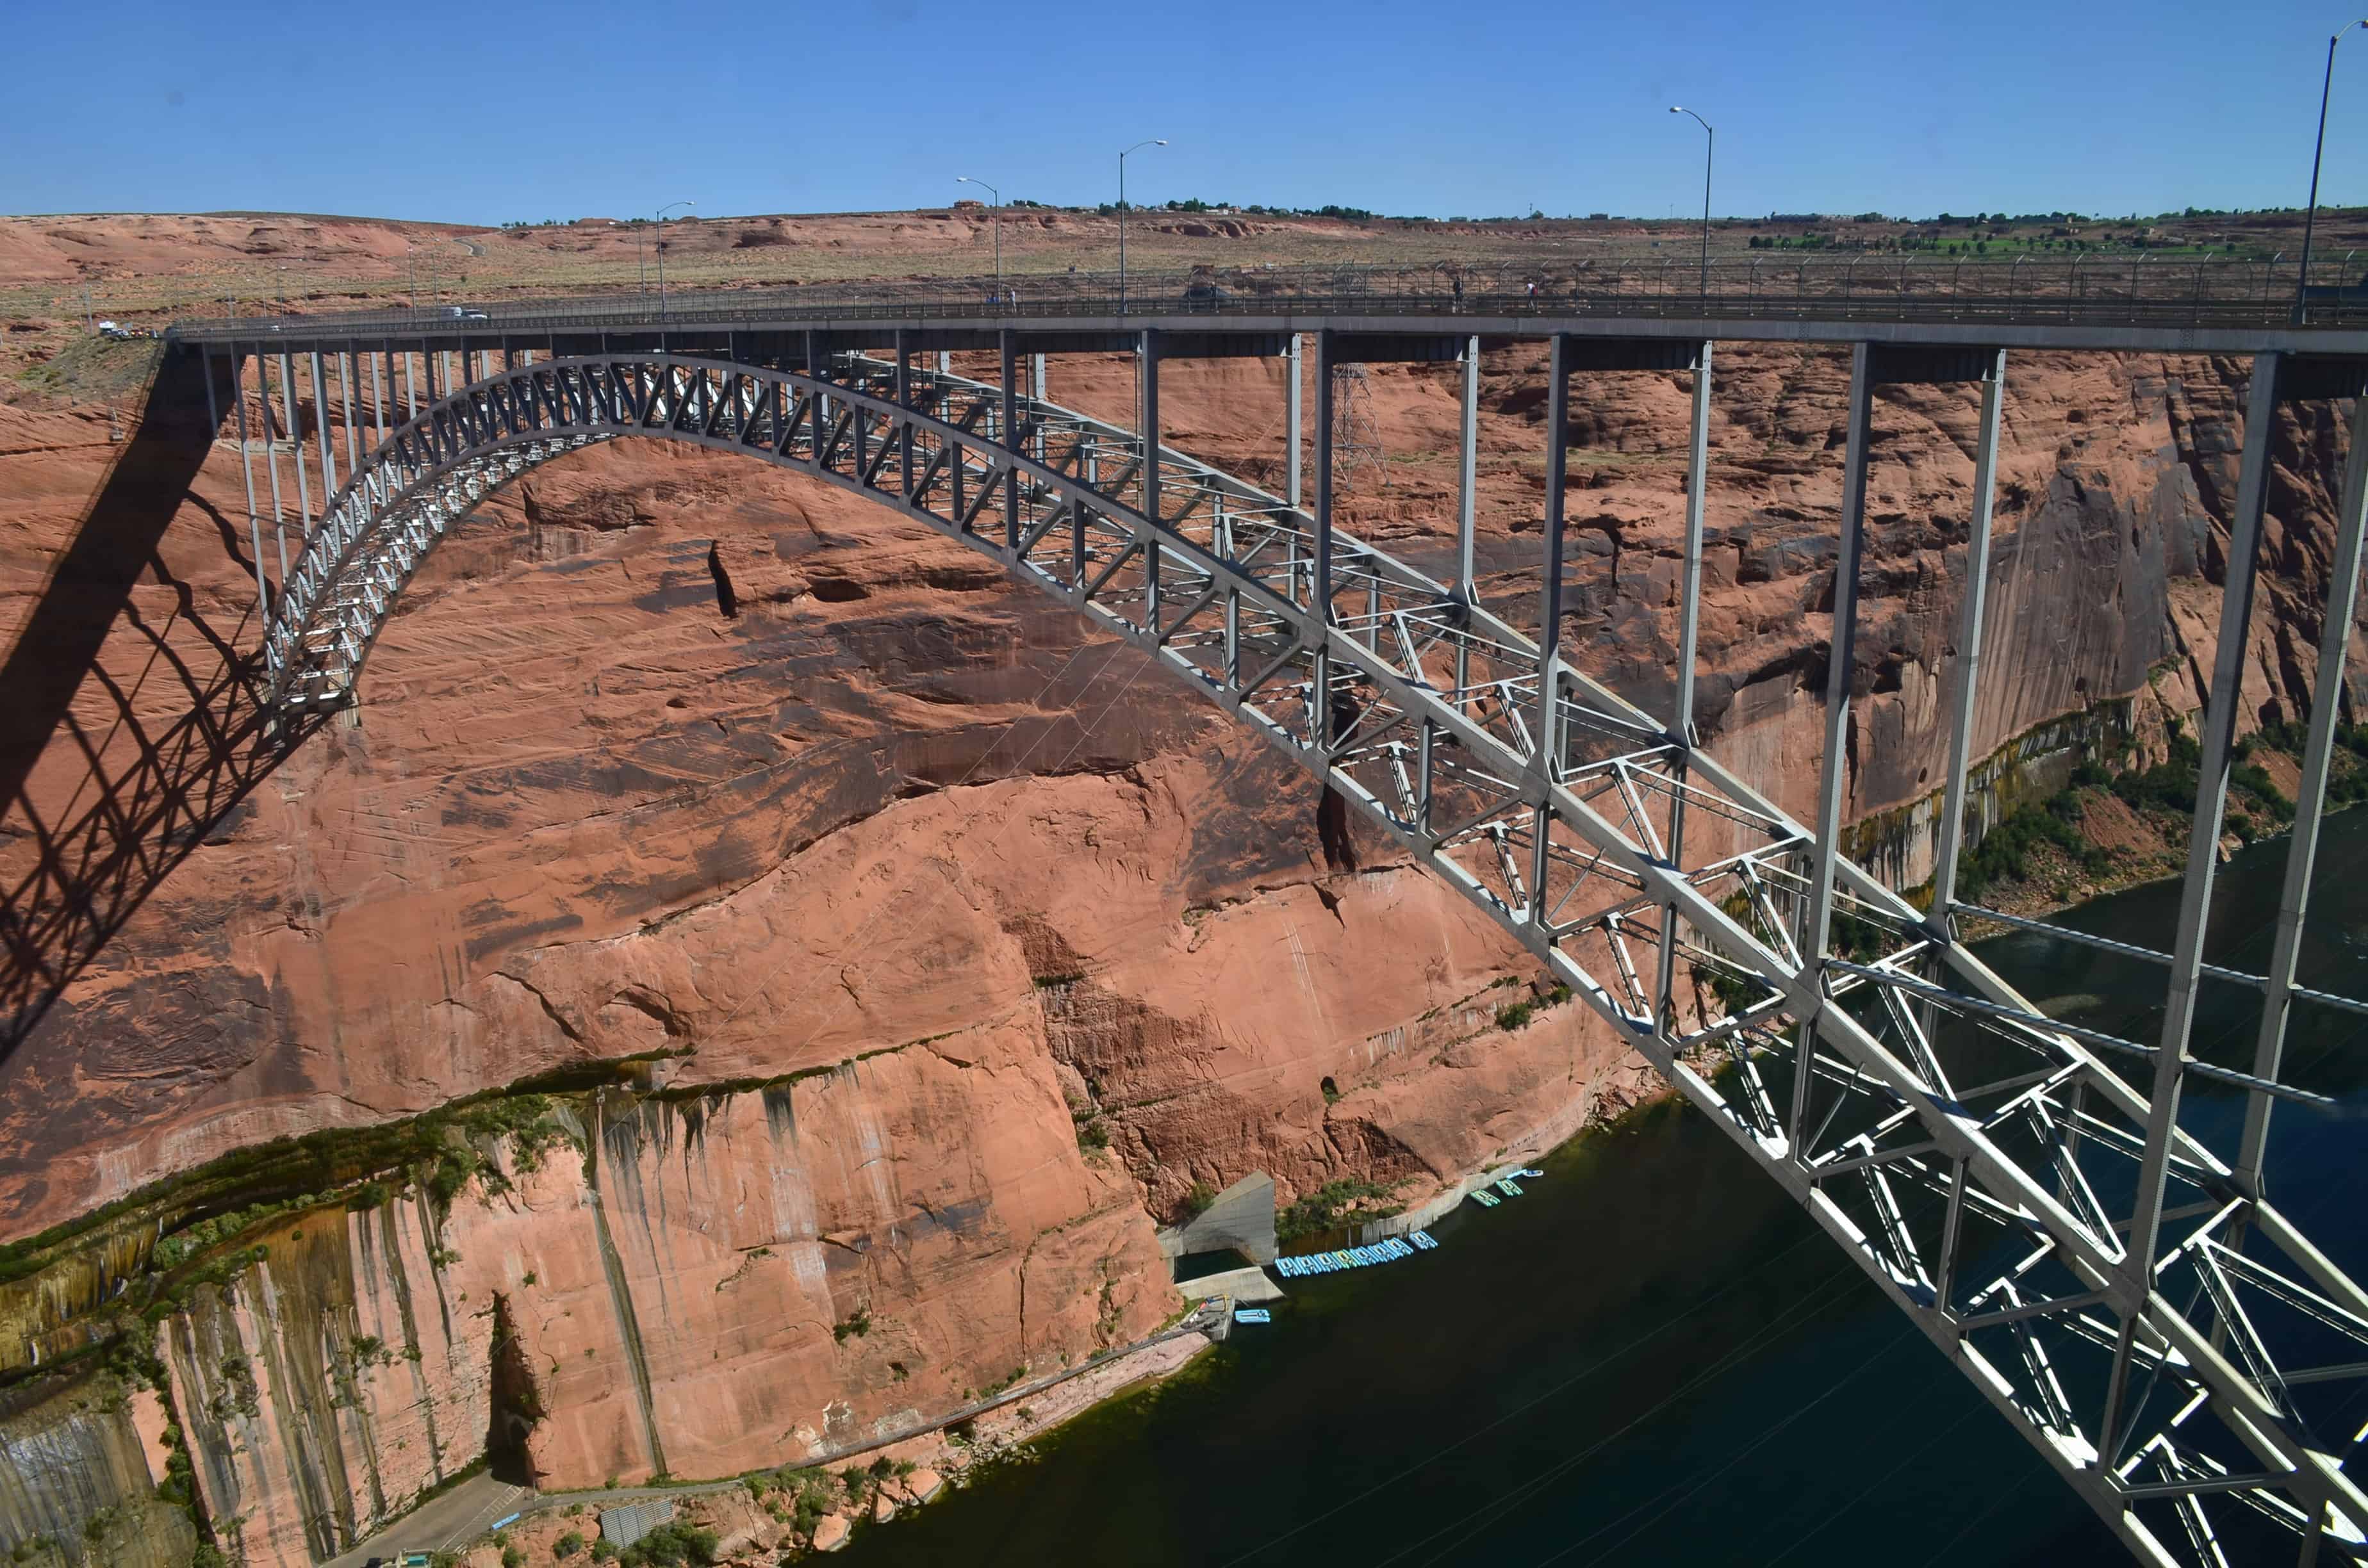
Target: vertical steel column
1545, 760
1950, 837
2137, 1278
2310, 795
1146, 354
321, 436
861, 436
1548, 759
247, 465
271, 456
1689, 594
346, 380
1007, 355
213, 410
381, 373
817, 351
1221, 545
1840, 657
905, 427
1088, 465
945, 363
410, 386
1291, 417
1319, 597
1689, 630
1466, 482
296, 446
1043, 394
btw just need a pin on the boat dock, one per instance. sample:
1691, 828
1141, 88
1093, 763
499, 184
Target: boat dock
1390, 1249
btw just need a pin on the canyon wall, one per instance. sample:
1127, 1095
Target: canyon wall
696, 1284
947, 946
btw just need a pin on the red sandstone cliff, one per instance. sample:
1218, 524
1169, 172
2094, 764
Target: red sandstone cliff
945, 877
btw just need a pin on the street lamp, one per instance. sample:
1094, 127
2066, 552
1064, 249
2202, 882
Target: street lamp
965, 179
661, 217
2302, 284
411, 268
1154, 141
1709, 147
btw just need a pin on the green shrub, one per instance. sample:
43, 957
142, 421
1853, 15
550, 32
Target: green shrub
2250, 778
2004, 854
567, 1546
1323, 1208
2169, 785
671, 1545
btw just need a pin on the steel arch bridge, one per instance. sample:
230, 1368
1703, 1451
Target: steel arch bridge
2127, 1297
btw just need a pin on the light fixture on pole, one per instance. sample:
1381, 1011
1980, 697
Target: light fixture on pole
1154, 141
661, 217
2326, 87
1709, 147
965, 179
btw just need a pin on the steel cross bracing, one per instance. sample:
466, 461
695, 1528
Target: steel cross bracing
2128, 1299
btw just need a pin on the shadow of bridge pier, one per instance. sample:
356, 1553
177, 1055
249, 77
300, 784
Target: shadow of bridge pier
99, 801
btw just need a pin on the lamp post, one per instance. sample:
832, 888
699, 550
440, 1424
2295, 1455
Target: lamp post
411, 268
965, 179
661, 217
1154, 141
1709, 147
2326, 85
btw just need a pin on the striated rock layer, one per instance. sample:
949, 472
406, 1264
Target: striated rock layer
956, 949
701, 1284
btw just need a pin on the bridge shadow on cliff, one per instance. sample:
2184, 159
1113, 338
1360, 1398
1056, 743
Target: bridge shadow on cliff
105, 837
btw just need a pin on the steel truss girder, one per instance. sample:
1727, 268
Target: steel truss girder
1357, 690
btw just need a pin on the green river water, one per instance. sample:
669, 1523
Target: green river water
1652, 1358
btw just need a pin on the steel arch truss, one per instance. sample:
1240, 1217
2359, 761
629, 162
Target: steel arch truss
1974, 1158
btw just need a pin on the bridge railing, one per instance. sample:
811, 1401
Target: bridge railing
2148, 288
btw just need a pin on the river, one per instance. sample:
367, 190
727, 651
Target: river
1652, 1358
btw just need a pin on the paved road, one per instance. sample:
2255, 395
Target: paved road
444, 1523
461, 1515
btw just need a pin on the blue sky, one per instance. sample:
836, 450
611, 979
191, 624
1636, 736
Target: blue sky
536, 108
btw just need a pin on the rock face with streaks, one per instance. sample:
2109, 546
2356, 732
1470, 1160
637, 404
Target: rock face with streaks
696, 1283
897, 954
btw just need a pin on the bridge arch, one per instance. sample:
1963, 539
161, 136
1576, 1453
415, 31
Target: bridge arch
1596, 835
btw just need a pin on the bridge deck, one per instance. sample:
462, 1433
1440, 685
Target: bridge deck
2141, 304
1243, 331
